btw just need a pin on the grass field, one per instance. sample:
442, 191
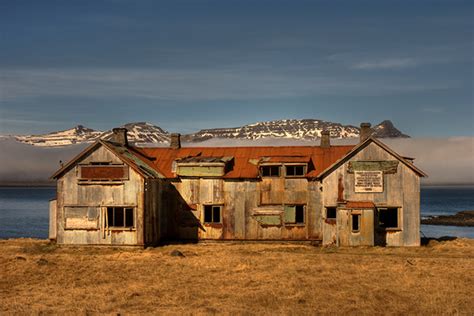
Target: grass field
250, 278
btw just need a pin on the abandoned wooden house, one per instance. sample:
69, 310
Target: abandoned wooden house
114, 193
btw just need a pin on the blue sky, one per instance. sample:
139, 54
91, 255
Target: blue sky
187, 65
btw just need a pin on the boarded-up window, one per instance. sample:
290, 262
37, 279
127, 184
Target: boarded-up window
388, 217
120, 217
355, 219
294, 214
270, 171
295, 171
212, 214
81, 217
95, 172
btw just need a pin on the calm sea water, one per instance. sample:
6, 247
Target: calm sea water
24, 210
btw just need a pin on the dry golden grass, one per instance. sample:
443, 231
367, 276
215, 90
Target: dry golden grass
249, 278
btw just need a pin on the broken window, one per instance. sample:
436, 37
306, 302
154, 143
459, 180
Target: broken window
212, 214
295, 171
270, 171
294, 214
388, 217
120, 217
331, 212
355, 218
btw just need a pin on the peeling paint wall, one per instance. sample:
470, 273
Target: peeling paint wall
81, 208
250, 209
400, 189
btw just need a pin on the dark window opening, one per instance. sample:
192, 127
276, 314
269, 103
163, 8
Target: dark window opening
388, 217
100, 163
270, 171
212, 214
294, 214
299, 216
355, 222
120, 217
129, 217
331, 212
294, 171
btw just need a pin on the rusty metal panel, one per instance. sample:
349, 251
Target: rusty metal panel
103, 172
272, 191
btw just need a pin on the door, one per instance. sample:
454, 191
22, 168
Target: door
355, 227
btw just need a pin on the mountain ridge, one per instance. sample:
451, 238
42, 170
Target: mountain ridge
141, 133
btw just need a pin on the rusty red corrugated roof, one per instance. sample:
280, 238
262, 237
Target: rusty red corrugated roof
246, 158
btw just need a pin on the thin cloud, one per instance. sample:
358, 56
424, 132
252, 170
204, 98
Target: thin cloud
432, 110
391, 63
238, 83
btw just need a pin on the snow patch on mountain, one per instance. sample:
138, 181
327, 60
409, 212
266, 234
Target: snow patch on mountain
143, 133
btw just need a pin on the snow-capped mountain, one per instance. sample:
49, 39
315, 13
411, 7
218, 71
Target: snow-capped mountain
145, 133
296, 129
75, 135
138, 133
142, 133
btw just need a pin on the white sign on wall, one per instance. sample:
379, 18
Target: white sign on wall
368, 181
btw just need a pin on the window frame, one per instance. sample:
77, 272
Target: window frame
295, 223
125, 208
304, 166
213, 206
279, 166
399, 218
357, 215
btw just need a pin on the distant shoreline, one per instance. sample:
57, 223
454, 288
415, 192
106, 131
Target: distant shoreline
463, 218
53, 184
28, 184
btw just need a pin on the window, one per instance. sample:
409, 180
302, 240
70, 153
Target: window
331, 212
355, 218
295, 171
212, 214
120, 217
294, 214
388, 217
270, 171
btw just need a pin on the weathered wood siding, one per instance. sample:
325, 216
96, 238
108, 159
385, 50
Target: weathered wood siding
81, 208
52, 219
364, 236
244, 203
401, 189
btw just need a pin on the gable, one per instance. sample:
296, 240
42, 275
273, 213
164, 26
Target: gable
384, 154
108, 153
